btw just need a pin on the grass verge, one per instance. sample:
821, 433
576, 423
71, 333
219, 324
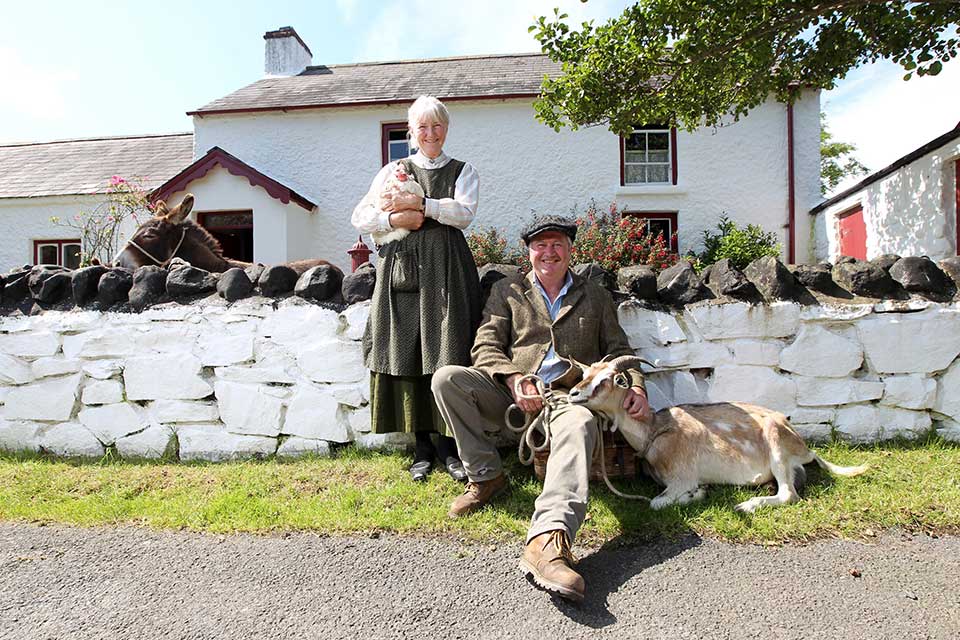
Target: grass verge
911, 485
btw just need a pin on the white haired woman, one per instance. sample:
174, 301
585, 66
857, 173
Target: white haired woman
426, 303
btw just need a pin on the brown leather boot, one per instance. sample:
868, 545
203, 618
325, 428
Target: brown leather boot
548, 559
476, 495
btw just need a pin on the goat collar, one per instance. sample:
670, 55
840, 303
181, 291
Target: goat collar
157, 261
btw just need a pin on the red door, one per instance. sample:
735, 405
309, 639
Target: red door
853, 234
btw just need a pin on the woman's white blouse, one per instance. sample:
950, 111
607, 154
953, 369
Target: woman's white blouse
457, 211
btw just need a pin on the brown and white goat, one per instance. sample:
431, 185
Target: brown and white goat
689, 446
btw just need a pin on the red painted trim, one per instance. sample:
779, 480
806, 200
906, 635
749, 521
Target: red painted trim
661, 215
791, 195
58, 242
673, 153
956, 188
359, 103
217, 156
385, 129
203, 215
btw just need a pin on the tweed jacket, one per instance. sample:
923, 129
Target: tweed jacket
517, 331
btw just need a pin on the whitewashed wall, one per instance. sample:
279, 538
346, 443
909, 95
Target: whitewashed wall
911, 212
246, 380
331, 155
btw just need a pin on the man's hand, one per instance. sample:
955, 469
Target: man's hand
531, 405
636, 404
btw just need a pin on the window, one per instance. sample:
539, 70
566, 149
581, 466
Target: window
664, 222
233, 230
649, 156
393, 141
65, 253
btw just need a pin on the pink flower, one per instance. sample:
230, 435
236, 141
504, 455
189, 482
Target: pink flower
116, 180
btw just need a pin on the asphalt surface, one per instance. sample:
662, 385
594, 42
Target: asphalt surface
60, 582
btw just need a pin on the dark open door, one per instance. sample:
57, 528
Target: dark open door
853, 234
233, 230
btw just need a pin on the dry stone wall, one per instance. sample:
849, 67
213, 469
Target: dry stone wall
216, 381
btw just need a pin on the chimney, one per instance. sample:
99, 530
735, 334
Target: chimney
285, 54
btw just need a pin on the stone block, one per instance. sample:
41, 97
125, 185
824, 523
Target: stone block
70, 440
14, 370
811, 415
949, 430
190, 281
156, 441
742, 320
234, 284
680, 285
111, 421
34, 344
115, 342
295, 326
708, 355
823, 353
354, 320
276, 280
351, 395
149, 285
20, 435
947, 400
859, 423
640, 281
169, 377
113, 287
835, 312
670, 388
333, 362
46, 367
217, 350
248, 409
102, 392
358, 286
359, 421
174, 411
772, 278
385, 441
903, 422
756, 385
314, 413
913, 391
833, 391
813, 431
756, 352
648, 328
273, 365
321, 282
211, 443
51, 399
670, 357
102, 369
296, 447
922, 342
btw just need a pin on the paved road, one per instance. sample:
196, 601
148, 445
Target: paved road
58, 582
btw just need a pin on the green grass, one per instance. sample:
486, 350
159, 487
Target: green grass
914, 486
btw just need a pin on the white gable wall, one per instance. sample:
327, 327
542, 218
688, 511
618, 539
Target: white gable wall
911, 212
331, 155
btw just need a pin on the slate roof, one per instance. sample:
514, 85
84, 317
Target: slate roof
457, 78
71, 167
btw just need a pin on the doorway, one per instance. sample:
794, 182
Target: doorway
233, 230
853, 233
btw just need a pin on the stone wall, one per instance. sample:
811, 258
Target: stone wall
216, 381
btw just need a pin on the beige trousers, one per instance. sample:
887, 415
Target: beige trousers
472, 404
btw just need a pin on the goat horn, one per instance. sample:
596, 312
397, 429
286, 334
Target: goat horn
622, 363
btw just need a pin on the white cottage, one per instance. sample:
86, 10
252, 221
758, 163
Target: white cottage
908, 208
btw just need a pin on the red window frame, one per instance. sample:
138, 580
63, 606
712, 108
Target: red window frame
670, 216
385, 129
956, 188
673, 156
59, 242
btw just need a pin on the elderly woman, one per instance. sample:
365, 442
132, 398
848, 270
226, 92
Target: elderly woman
426, 303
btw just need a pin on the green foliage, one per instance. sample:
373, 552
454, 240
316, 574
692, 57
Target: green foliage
615, 241
740, 246
489, 246
691, 64
836, 160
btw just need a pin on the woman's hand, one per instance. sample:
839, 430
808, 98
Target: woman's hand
394, 200
407, 219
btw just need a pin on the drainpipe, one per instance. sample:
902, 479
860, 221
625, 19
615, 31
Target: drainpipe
791, 193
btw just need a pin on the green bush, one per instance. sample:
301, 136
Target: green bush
740, 246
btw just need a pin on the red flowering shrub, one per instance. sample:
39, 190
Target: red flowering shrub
488, 245
615, 241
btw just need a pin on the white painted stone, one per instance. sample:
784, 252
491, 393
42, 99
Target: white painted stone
170, 376
670, 388
217, 350
113, 342
172, 411
75, 320
911, 343
385, 441
149, 444
15, 324
669, 357
14, 370
71, 440
45, 367
33, 344
811, 415
949, 430
102, 392
913, 391
708, 355
352, 395
273, 364
823, 353
296, 447
20, 435
359, 420
830, 391
4, 392
167, 338
904, 423
172, 311
648, 328
757, 352
903, 306
211, 443
111, 421
859, 423
51, 399
834, 312
354, 320
756, 385
248, 409
333, 362
948, 392
294, 326
813, 431
741, 320
102, 369
313, 413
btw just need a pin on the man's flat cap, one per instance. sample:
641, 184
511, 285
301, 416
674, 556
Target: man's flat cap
549, 223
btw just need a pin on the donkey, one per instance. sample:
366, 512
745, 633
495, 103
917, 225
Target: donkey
172, 234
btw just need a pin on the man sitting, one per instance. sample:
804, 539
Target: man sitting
528, 324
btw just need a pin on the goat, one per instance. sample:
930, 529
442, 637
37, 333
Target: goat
689, 446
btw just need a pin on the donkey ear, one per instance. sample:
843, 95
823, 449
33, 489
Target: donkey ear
160, 209
179, 213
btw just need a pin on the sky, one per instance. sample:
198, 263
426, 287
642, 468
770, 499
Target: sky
98, 68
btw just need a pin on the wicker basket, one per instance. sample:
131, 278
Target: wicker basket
620, 457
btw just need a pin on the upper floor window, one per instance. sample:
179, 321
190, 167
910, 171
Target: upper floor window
65, 253
649, 156
393, 141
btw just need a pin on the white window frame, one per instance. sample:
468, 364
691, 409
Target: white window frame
668, 163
